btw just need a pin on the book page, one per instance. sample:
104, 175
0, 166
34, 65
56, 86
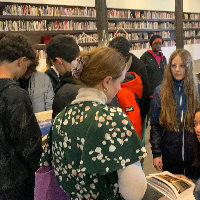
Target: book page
171, 186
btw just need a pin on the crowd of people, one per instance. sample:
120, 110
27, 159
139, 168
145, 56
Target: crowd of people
101, 102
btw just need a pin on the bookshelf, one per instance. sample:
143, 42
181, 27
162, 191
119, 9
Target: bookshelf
138, 26
191, 27
35, 21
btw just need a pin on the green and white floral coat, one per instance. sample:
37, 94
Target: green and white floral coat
87, 144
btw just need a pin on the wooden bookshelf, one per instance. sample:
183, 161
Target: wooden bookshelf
36, 37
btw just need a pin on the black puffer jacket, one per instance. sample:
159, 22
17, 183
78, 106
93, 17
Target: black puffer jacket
170, 143
138, 67
53, 76
65, 92
20, 137
154, 71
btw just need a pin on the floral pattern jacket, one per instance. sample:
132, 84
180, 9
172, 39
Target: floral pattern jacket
87, 144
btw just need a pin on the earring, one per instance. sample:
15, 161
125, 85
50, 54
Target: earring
105, 89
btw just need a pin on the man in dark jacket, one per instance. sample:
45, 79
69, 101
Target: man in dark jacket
134, 64
155, 63
20, 135
61, 51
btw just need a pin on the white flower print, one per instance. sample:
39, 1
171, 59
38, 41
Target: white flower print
100, 156
112, 148
98, 150
91, 152
106, 108
65, 122
65, 144
143, 149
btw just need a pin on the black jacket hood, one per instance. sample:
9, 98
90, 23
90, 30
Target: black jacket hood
5, 83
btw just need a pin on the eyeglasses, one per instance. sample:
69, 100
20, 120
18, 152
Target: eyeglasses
174, 66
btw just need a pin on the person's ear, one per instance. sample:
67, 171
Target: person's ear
59, 60
106, 82
20, 61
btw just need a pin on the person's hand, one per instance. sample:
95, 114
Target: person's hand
157, 162
182, 176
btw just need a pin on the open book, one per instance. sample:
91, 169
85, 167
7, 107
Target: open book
172, 187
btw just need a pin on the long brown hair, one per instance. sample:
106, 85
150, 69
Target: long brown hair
168, 115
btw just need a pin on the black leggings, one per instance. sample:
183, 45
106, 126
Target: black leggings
180, 167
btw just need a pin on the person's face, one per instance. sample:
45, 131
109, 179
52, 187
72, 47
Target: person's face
156, 47
23, 64
114, 87
197, 125
178, 68
62, 66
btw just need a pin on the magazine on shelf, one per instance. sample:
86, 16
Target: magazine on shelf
171, 186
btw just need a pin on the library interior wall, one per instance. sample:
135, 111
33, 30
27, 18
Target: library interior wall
167, 5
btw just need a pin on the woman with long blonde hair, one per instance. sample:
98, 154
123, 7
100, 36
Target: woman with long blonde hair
172, 110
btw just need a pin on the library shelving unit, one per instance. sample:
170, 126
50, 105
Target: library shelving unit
191, 27
37, 21
138, 26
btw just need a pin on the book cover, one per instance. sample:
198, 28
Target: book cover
44, 120
137, 14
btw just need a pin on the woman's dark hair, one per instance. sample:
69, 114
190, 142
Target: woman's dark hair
196, 145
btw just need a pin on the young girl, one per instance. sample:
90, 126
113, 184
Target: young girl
172, 110
196, 145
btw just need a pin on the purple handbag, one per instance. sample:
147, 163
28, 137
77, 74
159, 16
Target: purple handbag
46, 186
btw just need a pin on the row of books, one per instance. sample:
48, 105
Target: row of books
139, 46
140, 14
191, 24
31, 10
191, 41
41, 54
140, 25
21, 25
139, 36
192, 16
146, 45
169, 43
189, 33
89, 38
